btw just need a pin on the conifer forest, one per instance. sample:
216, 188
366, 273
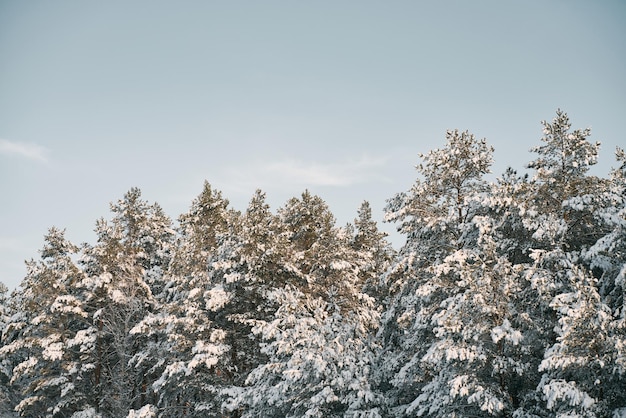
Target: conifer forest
506, 300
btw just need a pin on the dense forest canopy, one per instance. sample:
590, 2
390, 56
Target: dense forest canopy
506, 300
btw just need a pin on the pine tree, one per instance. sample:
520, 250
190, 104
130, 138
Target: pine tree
513, 244
561, 213
6, 395
506, 300
319, 360
432, 214
48, 341
579, 369
249, 266
373, 250
125, 277
561, 169
199, 231
320, 254
584, 369
192, 370
318, 341
607, 256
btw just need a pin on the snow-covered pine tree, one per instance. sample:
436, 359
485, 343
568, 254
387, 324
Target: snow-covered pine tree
607, 257
561, 213
585, 368
561, 174
248, 264
319, 361
608, 260
199, 231
512, 242
580, 377
318, 342
123, 270
6, 402
431, 358
191, 372
374, 252
48, 340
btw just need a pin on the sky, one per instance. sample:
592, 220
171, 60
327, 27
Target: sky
337, 97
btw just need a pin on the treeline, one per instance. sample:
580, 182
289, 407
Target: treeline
507, 300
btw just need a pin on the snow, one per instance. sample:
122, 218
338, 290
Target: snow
23, 367
67, 304
28, 401
507, 332
216, 298
493, 297
87, 413
459, 386
559, 389
340, 265
148, 411
117, 296
85, 338
207, 354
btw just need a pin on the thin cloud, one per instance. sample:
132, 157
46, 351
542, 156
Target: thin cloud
294, 172
340, 174
25, 150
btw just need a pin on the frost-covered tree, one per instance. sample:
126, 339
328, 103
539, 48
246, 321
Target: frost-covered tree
480, 360
552, 207
249, 265
189, 373
124, 279
5, 366
584, 368
145, 232
607, 257
512, 244
440, 200
319, 360
319, 253
310, 228
192, 370
48, 340
432, 215
580, 374
318, 342
199, 231
373, 250
560, 212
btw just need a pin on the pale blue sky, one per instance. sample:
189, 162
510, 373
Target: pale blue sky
335, 96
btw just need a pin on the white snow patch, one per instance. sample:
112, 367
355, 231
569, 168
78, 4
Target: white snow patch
148, 411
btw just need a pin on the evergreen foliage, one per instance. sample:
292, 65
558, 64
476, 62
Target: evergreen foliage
506, 300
